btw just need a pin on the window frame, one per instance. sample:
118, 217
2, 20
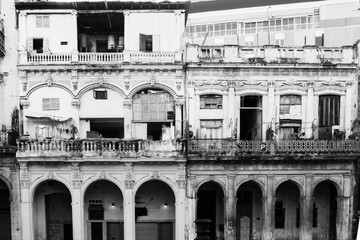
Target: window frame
97, 95
211, 100
52, 105
42, 21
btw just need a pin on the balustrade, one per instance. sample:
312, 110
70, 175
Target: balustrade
105, 147
231, 147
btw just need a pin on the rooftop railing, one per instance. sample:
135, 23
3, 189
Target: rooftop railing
99, 147
233, 147
271, 54
104, 58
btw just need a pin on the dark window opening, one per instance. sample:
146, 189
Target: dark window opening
38, 45
96, 212
329, 115
64, 43
211, 101
251, 118
297, 217
146, 43
319, 40
100, 94
106, 128
279, 215
96, 231
155, 130
315, 216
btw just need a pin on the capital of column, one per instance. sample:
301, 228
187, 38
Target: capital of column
75, 104
24, 103
127, 104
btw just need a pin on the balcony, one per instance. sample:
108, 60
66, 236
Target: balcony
111, 149
102, 58
225, 149
264, 55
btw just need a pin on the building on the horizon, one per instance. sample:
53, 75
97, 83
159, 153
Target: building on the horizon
332, 23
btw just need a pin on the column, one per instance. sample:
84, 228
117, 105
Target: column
127, 118
309, 111
190, 94
77, 212
74, 33
22, 37
178, 119
343, 214
230, 211
191, 211
343, 218
348, 109
269, 210
129, 211
26, 211
231, 109
180, 210
306, 203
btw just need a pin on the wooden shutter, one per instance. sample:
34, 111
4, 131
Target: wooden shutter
46, 104
142, 40
45, 45
156, 43
39, 21
30, 46
55, 103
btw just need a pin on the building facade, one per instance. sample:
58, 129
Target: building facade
101, 107
131, 130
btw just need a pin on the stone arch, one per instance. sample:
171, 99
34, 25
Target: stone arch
90, 181
295, 181
57, 85
98, 85
9, 186
246, 92
290, 91
155, 85
332, 181
34, 185
329, 92
221, 185
165, 180
255, 181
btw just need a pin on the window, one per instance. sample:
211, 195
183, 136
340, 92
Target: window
290, 105
42, 21
96, 209
329, 110
149, 43
50, 104
279, 215
153, 105
211, 101
211, 128
100, 94
38, 45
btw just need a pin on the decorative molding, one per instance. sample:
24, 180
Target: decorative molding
181, 184
23, 171
51, 175
155, 175
49, 81
129, 184
100, 81
127, 104
25, 184
128, 171
24, 103
102, 175
75, 170
77, 184
76, 103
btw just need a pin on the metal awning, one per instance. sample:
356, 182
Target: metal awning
48, 119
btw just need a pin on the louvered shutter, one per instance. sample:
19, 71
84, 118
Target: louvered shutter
30, 46
55, 103
46, 45
46, 104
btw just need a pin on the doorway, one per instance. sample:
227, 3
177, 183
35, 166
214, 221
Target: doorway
251, 117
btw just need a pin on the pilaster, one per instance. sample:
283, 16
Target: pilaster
269, 209
127, 118
306, 203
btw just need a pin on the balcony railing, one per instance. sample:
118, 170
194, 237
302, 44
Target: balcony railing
271, 54
96, 57
96, 147
231, 147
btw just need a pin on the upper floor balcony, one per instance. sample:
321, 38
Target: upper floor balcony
271, 54
232, 149
131, 57
105, 149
